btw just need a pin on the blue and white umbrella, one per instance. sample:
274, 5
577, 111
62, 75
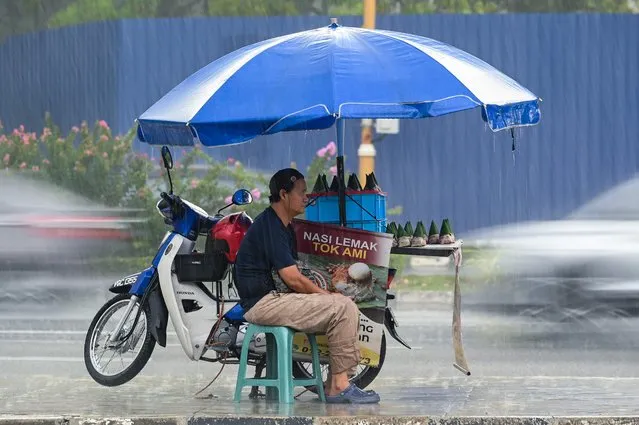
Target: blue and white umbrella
313, 79
309, 80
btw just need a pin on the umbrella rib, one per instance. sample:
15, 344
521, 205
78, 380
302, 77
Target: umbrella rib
234, 66
416, 47
416, 102
328, 113
243, 61
493, 71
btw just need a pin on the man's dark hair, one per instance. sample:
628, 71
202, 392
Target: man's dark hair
283, 179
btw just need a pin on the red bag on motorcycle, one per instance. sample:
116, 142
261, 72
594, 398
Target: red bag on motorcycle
226, 236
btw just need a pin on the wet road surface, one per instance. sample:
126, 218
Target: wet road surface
518, 368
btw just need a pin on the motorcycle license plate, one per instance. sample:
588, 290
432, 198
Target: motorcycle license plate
129, 280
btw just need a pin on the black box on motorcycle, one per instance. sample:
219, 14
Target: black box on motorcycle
201, 267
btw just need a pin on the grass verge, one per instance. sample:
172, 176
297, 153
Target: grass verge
442, 283
121, 265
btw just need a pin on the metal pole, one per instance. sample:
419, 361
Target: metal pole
341, 194
366, 151
369, 13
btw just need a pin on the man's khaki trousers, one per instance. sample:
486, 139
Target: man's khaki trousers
336, 316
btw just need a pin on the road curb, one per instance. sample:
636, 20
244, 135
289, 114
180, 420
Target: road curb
326, 420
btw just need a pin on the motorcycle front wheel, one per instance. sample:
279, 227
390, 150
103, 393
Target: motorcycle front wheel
364, 376
128, 353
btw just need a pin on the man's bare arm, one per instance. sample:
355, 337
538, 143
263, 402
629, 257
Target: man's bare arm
295, 280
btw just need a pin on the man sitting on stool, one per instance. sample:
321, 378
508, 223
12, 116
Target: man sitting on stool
270, 246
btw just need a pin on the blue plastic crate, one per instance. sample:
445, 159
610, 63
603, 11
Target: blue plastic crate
324, 209
371, 226
373, 207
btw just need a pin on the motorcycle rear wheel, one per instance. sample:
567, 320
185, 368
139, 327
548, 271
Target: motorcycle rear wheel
363, 378
141, 337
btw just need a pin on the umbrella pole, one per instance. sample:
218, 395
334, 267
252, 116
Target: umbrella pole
341, 198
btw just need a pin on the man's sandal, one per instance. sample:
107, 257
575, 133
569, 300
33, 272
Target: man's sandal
353, 395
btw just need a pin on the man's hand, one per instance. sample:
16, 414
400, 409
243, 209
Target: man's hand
295, 280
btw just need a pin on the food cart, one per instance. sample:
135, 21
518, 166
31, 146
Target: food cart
329, 251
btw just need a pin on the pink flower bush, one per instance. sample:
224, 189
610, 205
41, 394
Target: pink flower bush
90, 160
324, 162
26, 140
84, 159
331, 148
46, 132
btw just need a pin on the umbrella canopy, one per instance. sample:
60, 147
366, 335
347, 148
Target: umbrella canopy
310, 79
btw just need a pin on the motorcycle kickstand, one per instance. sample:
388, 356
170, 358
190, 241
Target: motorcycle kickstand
255, 391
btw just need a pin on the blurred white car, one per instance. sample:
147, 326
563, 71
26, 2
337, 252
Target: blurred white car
583, 266
46, 228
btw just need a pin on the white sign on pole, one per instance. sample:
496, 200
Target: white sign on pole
387, 125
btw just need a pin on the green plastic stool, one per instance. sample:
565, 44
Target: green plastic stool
279, 364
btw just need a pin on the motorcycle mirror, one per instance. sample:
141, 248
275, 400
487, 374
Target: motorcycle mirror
167, 158
242, 197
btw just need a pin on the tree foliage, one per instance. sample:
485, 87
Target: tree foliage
18, 16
